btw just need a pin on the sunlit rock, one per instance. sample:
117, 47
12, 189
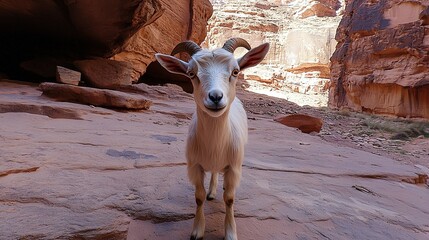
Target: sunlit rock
380, 64
301, 34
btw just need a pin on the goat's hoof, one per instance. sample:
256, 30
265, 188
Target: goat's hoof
195, 238
210, 197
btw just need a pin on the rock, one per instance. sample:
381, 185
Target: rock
95, 97
105, 73
42, 67
319, 10
424, 16
107, 177
380, 64
124, 30
98, 27
67, 76
300, 48
305, 123
180, 21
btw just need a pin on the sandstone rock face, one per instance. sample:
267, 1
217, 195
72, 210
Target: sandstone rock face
301, 34
180, 21
116, 175
380, 64
130, 31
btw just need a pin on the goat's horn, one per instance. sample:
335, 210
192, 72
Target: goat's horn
234, 43
188, 46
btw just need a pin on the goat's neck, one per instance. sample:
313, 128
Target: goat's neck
215, 128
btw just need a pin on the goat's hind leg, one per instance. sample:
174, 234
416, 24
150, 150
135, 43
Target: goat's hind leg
196, 175
213, 186
231, 180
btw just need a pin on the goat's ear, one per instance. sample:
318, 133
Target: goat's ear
172, 64
254, 56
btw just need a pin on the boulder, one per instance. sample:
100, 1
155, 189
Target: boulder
381, 62
67, 76
105, 73
96, 97
305, 123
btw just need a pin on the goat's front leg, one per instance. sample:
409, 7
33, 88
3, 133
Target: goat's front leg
231, 180
213, 186
196, 175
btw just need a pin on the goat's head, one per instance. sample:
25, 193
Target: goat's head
213, 73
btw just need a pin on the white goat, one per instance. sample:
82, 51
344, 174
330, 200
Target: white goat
218, 131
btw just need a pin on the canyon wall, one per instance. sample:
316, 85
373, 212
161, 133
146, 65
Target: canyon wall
181, 20
381, 62
37, 37
301, 34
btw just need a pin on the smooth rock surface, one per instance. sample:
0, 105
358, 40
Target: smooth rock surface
116, 175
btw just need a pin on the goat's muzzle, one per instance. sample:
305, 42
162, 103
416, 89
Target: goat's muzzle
215, 102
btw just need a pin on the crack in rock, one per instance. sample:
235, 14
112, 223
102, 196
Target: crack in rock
144, 166
154, 217
384, 176
16, 171
164, 218
49, 111
240, 215
310, 221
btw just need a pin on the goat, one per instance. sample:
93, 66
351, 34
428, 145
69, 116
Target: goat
218, 130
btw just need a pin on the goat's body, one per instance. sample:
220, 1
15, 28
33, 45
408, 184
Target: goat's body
218, 131
217, 143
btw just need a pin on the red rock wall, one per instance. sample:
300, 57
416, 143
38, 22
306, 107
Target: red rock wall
381, 64
181, 20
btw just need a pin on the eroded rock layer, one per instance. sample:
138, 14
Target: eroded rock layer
301, 34
181, 20
37, 37
380, 64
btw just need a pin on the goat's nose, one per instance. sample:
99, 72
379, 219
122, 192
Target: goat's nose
215, 96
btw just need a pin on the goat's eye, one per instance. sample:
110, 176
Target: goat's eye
191, 74
235, 72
